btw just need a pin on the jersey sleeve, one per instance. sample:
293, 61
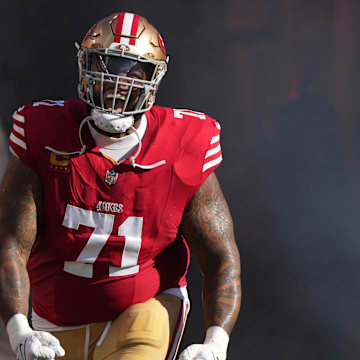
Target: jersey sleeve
199, 150
18, 143
22, 143
213, 155
40, 124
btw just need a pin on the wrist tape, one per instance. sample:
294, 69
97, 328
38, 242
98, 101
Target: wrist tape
217, 336
17, 328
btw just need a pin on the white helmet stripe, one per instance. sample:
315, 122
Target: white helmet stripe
126, 28
127, 25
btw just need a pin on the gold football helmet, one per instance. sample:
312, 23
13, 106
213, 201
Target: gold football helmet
122, 60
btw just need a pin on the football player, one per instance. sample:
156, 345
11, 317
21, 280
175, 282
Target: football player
100, 203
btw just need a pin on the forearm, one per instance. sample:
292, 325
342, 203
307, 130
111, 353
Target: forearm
208, 228
14, 285
222, 295
20, 206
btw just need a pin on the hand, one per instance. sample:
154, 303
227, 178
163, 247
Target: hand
201, 352
213, 348
39, 345
28, 344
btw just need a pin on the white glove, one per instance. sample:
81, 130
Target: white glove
28, 344
200, 352
213, 348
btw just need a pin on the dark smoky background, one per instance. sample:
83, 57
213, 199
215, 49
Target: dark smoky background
282, 78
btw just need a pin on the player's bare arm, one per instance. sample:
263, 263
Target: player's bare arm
20, 199
208, 228
20, 218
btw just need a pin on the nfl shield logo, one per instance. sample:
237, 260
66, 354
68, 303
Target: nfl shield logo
111, 177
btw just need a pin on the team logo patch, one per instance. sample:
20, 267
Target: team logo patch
123, 47
111, 177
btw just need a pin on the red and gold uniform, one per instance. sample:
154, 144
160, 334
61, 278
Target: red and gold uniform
108, 265
110, 238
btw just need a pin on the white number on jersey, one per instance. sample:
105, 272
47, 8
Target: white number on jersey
131, 229
49, 103
179, 114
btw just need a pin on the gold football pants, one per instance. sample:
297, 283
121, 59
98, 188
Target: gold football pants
147, 331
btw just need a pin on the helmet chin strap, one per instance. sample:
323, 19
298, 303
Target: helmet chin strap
83, 146
132, 158
111, 123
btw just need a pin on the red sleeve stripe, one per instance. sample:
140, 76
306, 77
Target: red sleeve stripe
213, 151
18, 117
17, 141
215, 139
13, 152
213, 156
19, 130
210, 164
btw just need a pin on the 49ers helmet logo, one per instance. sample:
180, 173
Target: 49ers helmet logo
123, 47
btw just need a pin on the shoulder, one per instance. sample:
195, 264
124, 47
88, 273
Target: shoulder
49, 111
183, 117
195, 139
38, 123
44, 112
188, 126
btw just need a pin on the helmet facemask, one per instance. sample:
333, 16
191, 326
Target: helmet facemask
122, 60
117, 82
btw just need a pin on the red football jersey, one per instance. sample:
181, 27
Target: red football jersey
110, 238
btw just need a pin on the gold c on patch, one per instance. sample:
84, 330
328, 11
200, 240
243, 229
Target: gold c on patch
59, 162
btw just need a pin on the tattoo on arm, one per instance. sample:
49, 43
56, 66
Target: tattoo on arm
20, 207
207, 226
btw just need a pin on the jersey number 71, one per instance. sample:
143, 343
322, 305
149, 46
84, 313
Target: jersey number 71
102, 223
